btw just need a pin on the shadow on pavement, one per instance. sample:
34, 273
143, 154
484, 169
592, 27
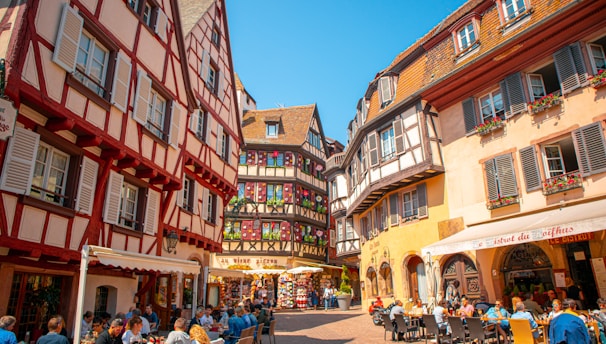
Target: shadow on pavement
286, 320
308, 340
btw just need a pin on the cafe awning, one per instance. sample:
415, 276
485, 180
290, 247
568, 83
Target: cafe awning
264, 271
218, 272
559, 222
142, 262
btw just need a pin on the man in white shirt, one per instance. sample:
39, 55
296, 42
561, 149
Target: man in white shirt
395, 311
87, 322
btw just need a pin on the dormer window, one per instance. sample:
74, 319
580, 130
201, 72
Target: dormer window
387, 90
465, 34
512, 9
271, 129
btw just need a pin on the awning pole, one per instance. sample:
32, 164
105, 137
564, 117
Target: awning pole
195, 287
204, 286
81, 289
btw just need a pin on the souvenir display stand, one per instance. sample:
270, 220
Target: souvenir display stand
285, 291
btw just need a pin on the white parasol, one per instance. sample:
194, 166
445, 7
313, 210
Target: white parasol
303, 270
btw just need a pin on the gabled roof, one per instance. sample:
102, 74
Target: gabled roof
294, 125
191, 11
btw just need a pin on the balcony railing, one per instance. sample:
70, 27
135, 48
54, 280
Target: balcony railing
335, 161
562, 182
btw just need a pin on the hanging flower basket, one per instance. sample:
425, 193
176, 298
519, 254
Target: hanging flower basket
599, 79
502, 202
488, 126
563, 182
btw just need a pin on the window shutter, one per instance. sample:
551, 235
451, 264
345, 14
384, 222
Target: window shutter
372, 148
161, 24
393, 209
19, 161
288, 193
333, 238
251, 157
220, 139
579, 63
285, 231
261, 192
208, 134
142, 97
422, 199
530, 168
174, 125
112, 198
180, 193
567, 70
195, 203
514, 95
151, 212
221, 87
68, 39
469, 115
205, 65
385, 90
398, 131
205, 196
249, 191
194, 119
288, 159
590, 148
86, 186
491, 180
384, 214
121, 84
262, 157
506, 176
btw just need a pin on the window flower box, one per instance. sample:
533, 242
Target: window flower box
545, 103
502, 202
563, 182
599, 79
488, 126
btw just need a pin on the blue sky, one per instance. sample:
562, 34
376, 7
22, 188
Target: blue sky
301, 52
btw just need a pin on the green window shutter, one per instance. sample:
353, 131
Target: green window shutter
530, 168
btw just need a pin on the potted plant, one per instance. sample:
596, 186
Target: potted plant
344, 293
188, 296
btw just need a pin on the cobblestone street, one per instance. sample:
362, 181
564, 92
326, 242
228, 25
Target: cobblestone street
334, 326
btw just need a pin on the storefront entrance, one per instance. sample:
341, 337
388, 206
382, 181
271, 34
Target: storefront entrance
579, 262
527, 269
460, 277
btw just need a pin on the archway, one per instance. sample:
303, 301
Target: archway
527, 268
371, 280
386, 279
460, 278
417, 279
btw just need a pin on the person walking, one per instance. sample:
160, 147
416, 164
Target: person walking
55, 325
568, 326
327, 296
7, 336
314, 298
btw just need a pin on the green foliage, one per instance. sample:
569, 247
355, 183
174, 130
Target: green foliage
345, 287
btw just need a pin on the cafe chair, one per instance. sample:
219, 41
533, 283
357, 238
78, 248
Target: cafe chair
457, 330
479, 332
432, 329
259, 339
404, 328
523, 333
271, 334
246, 340
388, 325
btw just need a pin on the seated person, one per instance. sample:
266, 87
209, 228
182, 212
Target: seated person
441, 315
556, 309
600, 316
499, 315
395, 311
466, 309
418, 308
522, 314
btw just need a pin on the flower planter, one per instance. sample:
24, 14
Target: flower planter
344, 301
502, 202
554, 189
537, 109
488, 130
562, 183
599, 84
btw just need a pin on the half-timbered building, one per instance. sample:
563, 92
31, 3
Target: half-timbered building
111, 194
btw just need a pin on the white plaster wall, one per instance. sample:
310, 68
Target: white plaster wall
120, 299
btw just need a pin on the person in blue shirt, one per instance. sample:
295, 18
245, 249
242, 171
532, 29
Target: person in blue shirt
152, 317
236, 325
55, 325
253, 319
7, 336
499, 315
522, 314
568, 326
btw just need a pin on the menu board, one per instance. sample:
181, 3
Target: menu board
599, 273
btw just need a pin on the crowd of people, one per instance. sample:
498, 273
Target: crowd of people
136, 327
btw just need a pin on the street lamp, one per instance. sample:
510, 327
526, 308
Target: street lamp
171, 242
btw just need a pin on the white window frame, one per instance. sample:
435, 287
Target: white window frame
593, 56
340, 233
410, 206
47, 167
349, 229
134, 4
549, 172
148, 9
535, 81
517, 10
334, 190
210, 207
271, 129
274, 192
211, 82
156, 114
124, 202
214, 38
468, 35
491, 106
388, 144
84, 69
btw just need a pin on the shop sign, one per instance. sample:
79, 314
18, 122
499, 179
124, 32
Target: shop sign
572, 238
8, 115
527, 236
252, 262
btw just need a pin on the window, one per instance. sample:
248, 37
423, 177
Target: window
198, 124
188, 194
156, 114
386, 280
340, 233
388, 147
513, 8
349, 229
596, 53
222, 143
128, 206
379, 217
491, 106
211, 74
145, 10
306, 166
39, 169
275, 193
537, 88
50, 175
543, 81
92, 64
212, 78
275, 159
271, 130
214, 38
134, 4
466, 37
500, 177
365, 226
314, 140
334, 194
241, 189
371, 281
211, 207
242, 159
411, 204
386, 90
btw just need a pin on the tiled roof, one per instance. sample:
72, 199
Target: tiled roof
191, 11
239, 85
294, 125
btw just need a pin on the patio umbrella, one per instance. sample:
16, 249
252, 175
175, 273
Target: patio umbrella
303, 270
